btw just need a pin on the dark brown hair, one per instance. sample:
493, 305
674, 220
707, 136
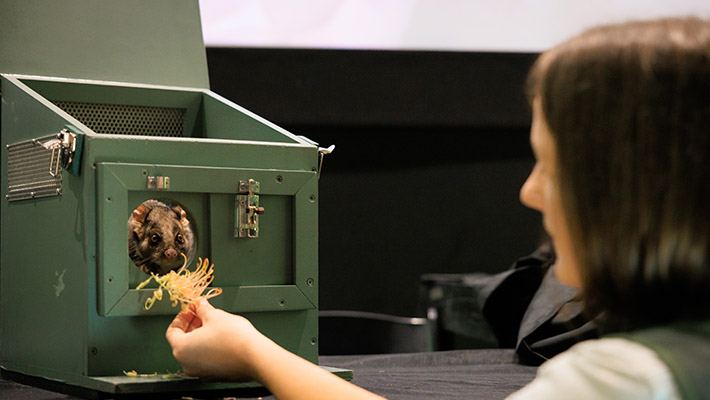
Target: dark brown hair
628, 106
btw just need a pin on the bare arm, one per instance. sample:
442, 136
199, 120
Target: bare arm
216, 345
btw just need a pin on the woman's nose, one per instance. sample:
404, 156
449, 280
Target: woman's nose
531, 192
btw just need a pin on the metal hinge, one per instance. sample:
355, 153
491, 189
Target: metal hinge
247, 208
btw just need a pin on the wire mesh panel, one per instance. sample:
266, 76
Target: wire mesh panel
120, 119
29, 171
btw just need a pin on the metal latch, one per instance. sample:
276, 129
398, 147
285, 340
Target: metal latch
322, 151
247, 207
63, 146
157, 182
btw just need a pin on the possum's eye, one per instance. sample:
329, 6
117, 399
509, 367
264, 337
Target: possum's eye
179, 238
154, 238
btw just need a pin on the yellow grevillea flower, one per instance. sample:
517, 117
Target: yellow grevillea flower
134, 374
184, 286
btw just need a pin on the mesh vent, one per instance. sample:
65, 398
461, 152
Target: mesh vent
119, 119
28, 174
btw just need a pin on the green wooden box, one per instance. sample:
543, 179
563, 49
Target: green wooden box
70, 310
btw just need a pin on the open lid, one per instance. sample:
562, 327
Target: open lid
155, 42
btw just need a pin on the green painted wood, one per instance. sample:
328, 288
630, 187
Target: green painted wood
157, 41
83, 91
178, 383
306, 249
160, 383
207, 114
210, 153
78, 242
220, 121
239, 261
33, 115
266, 260
43, 270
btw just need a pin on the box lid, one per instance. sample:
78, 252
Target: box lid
156, 42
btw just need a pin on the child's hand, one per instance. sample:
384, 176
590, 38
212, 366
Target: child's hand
213, 344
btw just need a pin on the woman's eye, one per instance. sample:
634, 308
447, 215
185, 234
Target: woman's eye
179, 238
154, 238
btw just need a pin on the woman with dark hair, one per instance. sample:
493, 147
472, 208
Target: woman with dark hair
621, 134
628, 111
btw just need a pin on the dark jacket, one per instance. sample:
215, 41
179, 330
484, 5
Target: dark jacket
524, 307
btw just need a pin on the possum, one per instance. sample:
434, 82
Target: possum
157, 236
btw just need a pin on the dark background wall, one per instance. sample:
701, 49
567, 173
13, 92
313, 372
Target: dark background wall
431, 150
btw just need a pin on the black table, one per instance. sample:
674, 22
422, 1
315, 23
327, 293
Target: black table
459, 374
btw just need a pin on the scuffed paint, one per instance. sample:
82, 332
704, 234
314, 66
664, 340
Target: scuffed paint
59, 287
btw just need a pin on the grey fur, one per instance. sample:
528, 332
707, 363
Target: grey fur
157, 235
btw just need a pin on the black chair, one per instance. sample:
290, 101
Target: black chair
358, 332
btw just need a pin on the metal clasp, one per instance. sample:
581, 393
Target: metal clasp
157, 182
247, 208
322, 151
63, 146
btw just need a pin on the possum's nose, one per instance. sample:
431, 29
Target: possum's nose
170, 254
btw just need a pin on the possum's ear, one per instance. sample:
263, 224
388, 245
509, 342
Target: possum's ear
139, 215
182, 215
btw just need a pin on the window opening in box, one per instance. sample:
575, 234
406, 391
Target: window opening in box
159, 233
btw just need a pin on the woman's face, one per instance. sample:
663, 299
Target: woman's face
541, 192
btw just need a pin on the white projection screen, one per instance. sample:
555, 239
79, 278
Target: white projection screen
450, 25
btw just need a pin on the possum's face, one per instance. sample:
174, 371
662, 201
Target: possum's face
157, 235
